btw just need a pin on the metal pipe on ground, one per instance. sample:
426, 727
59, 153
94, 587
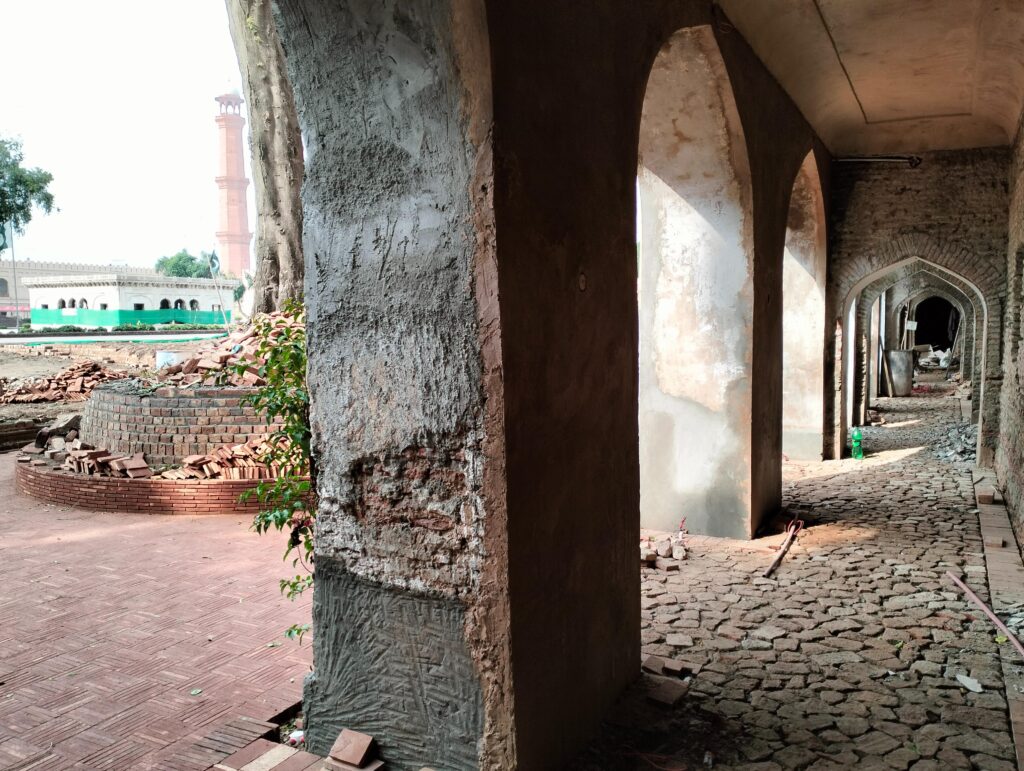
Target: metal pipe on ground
988, 612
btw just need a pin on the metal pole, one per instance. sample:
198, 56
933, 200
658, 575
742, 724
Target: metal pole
213, 274
14, 274
1011, 638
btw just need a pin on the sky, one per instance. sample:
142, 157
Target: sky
115, 98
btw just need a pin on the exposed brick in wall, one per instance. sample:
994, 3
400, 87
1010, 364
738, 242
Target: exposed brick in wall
1010, 453
950, 211
149, 496
169, 424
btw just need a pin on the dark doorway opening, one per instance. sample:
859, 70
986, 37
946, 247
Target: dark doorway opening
937, 322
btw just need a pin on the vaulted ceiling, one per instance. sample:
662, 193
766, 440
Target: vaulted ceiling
879, 76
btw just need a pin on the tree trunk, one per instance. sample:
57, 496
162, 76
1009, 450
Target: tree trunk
276, 146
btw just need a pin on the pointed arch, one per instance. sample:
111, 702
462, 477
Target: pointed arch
847, 332
695, 294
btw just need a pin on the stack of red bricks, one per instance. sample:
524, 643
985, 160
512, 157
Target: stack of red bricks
83, 459
248, 460
72, 385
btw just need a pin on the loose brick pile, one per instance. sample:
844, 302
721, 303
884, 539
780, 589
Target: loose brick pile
106, 463
82, 458
215, 361
72, 385
248, 460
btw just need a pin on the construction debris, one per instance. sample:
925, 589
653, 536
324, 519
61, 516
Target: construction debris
1010, 637
215, 362
65, 426
72, 385
82, 458
240, 461
662, 550
353, 750
792, 530
959, 444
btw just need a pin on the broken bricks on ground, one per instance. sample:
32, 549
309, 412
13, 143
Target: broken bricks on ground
59, 443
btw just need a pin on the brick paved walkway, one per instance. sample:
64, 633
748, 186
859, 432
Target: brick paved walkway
109, 622
848, 656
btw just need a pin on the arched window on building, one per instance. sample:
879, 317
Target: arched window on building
4, 290
193, 305
71, 303
61, 304
82, 303
179, 305
165, 305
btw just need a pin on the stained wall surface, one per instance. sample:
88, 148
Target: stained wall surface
1010, 455
803, 323
695, 295
394, 104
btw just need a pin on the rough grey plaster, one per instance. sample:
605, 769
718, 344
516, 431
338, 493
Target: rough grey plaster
391, 151
695, 296
411, 655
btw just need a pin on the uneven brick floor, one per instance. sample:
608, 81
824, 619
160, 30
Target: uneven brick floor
847, 657
109, 622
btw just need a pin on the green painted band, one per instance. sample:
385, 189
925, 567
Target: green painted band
88, 317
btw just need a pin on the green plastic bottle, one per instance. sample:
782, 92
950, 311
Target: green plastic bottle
856, 450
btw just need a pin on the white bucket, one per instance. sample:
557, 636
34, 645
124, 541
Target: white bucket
167, 359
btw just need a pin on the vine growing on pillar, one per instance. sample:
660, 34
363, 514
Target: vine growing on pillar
287, 502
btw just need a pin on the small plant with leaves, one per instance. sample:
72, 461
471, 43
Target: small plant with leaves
287, 502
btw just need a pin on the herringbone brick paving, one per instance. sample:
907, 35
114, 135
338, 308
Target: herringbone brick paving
108, 622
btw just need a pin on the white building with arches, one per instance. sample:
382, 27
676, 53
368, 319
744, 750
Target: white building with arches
107, 300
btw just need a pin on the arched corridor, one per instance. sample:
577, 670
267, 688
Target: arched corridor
478, 314
502, 390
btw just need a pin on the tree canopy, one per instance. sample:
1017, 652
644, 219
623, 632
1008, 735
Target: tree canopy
21, 189
184, 265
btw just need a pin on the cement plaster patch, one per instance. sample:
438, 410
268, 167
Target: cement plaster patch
395, 665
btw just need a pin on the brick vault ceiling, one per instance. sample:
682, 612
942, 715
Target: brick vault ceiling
878, 76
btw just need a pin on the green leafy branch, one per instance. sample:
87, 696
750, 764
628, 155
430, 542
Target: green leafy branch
288, 501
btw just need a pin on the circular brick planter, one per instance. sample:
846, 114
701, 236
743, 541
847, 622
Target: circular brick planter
169, 423
135, 496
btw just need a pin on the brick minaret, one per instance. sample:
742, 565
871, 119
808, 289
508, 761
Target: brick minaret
233, 235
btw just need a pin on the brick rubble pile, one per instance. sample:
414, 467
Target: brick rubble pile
72, 385
237, 348
662, 550
83, 458
241, 461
